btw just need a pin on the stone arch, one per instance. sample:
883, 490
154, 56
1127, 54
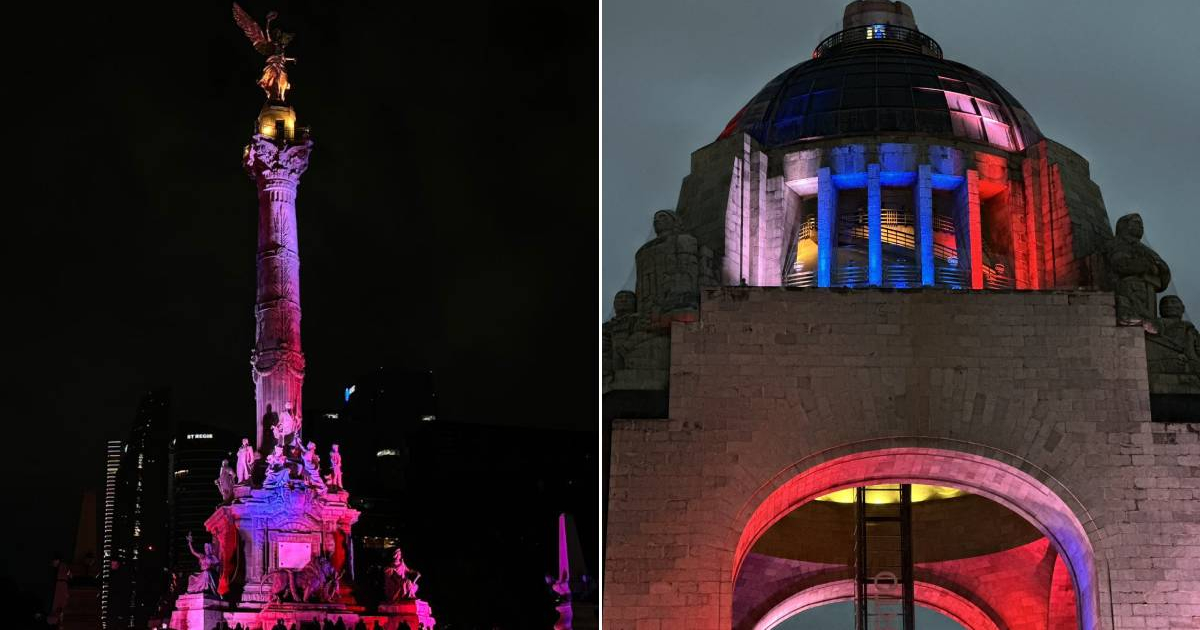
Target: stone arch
932, 596
1000, 476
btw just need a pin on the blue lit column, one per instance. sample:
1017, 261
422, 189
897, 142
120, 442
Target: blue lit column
874, 227
826, 226
923, 200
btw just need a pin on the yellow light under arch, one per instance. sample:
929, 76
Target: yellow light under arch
920, 492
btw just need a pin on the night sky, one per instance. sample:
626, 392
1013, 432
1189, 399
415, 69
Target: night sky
447, 221
1113, 80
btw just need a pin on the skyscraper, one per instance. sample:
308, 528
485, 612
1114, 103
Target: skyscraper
112, 464
137, 574
196, 454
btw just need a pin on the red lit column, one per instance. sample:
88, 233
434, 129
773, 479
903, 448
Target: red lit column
277, 359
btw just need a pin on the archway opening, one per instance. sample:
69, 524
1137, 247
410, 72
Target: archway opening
992, 548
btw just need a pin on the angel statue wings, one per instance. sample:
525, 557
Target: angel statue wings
270, 42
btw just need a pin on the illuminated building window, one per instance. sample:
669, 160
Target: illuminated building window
876, 31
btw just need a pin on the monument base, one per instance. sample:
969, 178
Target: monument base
416, 613
195, 611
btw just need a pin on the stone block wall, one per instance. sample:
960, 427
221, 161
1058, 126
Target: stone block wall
771, 383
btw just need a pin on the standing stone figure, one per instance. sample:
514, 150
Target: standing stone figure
400, 581
225, 481
1136, 273
1175, 350
312, 468
245, 461
335, 467
204, 581
286, 427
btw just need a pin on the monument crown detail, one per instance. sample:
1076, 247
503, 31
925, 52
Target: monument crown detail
281, 548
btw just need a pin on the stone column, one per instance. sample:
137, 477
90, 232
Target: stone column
923, 193
874, 227
969, 229
277, 359
826, 227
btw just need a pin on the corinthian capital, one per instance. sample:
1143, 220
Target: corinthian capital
267, 158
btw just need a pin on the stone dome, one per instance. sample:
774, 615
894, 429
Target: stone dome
883, 78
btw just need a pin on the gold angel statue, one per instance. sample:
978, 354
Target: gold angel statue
269, 42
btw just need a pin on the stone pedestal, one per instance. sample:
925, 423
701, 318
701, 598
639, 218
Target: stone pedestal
197, 611
282, 528
414, 612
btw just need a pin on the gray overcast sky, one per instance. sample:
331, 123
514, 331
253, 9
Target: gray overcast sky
1118, 82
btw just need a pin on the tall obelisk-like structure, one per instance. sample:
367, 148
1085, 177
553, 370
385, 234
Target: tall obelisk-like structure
276, 158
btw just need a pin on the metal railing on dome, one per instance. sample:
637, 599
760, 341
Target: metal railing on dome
889, 236
800, 277
878, 34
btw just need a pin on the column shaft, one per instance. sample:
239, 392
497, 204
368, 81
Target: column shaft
874, 227
826, 227
923, 202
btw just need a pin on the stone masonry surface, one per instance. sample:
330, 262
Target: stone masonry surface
771, 382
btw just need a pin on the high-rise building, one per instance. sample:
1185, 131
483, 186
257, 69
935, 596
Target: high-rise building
196, 454
112, 463
887, 350
137, 572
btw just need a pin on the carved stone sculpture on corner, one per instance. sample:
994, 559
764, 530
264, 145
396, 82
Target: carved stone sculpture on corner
636, 352
1173, 354
400, 581
671, 269
1136, 274
204, 581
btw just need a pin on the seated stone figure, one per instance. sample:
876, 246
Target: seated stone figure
635, 352
671, 268
204, 581
1173, 354
400, 581
278, 473
1136, 274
